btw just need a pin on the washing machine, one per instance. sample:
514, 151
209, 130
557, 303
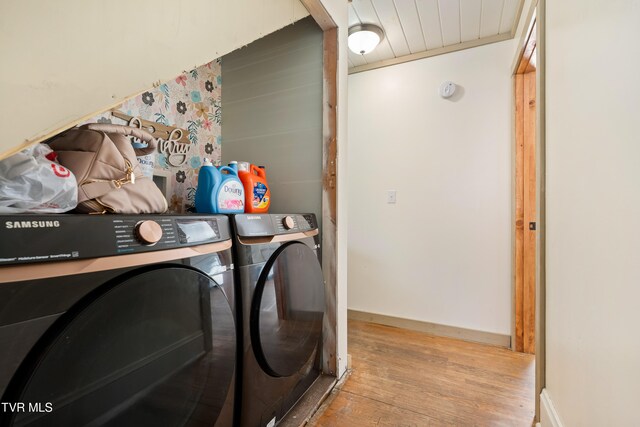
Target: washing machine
283, 300
117, 320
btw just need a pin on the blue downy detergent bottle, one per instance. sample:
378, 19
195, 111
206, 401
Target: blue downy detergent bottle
230, 194
209, 179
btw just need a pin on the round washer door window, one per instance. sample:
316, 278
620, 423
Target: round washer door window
287, 310
153, 347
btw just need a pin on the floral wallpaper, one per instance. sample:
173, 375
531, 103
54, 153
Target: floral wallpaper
191, 101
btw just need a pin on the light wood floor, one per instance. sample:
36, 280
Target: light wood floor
407, 378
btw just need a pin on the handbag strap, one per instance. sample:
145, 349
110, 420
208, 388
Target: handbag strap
141, 134
94, 189
99, 187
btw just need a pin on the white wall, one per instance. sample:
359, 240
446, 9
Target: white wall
442, 254
65, 59
593, 205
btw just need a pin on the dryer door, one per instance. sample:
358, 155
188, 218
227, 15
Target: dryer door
287, 310
156, 346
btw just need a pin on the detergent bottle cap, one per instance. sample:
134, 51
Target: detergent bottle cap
233, 162
207, 162
139, 144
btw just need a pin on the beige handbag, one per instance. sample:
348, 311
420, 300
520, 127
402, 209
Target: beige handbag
104, 163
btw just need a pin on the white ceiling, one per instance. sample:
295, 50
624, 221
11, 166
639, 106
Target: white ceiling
420, 28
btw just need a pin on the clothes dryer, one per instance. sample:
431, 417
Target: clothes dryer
283, 300
117, 320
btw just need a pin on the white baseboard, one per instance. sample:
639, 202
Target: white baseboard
548, 415
490, 338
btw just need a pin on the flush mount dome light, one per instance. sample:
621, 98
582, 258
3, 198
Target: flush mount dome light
363, 38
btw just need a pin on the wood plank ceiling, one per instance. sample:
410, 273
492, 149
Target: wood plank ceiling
417, 29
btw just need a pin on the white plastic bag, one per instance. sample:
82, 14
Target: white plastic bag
30, 182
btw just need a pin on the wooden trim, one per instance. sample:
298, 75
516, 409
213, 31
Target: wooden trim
432, 52
541, 207
22, 272
473, 335
529, 196
525, 212
519, 214
525, 196
329, 179
319, 14
329, 199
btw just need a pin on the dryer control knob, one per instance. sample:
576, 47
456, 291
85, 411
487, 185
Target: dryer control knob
148, 232
288, 223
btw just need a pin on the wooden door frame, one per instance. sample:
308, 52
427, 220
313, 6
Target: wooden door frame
329, 179
538, 8
525, 197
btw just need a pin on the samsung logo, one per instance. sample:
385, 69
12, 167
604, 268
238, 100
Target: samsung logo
32, 224
254, 217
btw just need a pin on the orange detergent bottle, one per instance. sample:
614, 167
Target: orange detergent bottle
256, 190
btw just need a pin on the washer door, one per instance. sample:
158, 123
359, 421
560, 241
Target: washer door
156, 346
287, 310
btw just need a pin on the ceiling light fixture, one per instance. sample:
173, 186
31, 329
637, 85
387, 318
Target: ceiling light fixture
363, 38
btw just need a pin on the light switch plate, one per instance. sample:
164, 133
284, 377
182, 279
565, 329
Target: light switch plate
391, 196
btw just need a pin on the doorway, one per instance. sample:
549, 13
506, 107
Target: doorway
530, 217
526, 224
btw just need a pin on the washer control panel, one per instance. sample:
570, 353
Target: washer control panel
148, 232
250, 225
40, 238
132, 233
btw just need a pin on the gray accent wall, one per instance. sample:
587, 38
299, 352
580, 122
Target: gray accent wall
272, 113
